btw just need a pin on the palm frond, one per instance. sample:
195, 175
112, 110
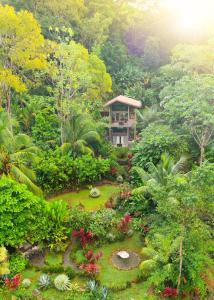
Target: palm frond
19, 176
182, 165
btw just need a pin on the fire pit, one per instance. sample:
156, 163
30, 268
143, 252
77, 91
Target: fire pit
125, 259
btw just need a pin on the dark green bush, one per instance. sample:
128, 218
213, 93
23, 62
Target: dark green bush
57, 172
155, 140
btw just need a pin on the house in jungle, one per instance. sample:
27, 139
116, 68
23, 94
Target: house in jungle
122, 117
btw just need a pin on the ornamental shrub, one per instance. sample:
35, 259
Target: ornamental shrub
18, 264
21, 214
57, 171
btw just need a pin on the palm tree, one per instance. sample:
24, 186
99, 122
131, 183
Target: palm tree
159, 174
16, 154
81, 134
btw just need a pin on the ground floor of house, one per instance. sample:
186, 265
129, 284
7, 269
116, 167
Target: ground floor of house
121, 137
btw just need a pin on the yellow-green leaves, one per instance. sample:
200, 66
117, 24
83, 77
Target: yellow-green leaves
11, 81
21, 48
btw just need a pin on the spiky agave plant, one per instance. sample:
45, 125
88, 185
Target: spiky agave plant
44, 281
62, 282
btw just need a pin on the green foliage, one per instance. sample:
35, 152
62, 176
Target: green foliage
155, 140
21, 214
57, 216
189, 103
53, 259
17, 153
18, 263
45, 131
99, 222
57, 171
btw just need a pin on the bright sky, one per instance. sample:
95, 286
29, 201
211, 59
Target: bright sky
191, 15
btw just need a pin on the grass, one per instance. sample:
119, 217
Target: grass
82, 197
53, 259
109, 275
135, 292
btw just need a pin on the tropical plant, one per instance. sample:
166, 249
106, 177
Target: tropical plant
80, 134
158, 174
156, 139
44, 281
62, 282
17, 152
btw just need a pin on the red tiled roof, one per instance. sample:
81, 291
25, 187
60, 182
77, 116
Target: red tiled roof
125, 100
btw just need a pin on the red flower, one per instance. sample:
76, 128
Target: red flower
124, 224
14, 282
91, 257
85, 237
170, 292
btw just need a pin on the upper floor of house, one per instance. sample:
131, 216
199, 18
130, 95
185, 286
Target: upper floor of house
121, 111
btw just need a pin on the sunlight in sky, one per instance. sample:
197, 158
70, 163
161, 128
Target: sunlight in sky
191, 14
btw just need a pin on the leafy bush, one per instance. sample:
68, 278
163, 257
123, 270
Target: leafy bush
62, 282
155, 140
18, 264
57, 171
94, 193
58, 231
100, 223
71, 273
21, 214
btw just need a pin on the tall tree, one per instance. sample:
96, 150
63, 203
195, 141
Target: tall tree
22, 48
189, 106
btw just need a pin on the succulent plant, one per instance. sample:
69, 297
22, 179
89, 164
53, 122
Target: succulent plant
94, 193
92, 285
62, 282
120, 179
104, 293
26, 282
44, 281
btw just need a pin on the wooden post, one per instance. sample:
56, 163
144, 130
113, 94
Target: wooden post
127, 136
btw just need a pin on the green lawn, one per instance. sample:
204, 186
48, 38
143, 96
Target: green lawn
109, 274
82, 197
135, 292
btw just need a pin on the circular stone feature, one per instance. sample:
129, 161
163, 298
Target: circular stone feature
125, 259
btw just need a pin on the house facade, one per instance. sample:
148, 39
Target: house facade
122, 118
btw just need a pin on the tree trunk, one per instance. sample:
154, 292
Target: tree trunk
201, 155
181, 264
8, 107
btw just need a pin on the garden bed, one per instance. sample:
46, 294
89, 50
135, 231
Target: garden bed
82, 197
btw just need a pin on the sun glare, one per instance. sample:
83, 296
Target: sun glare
191, 14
